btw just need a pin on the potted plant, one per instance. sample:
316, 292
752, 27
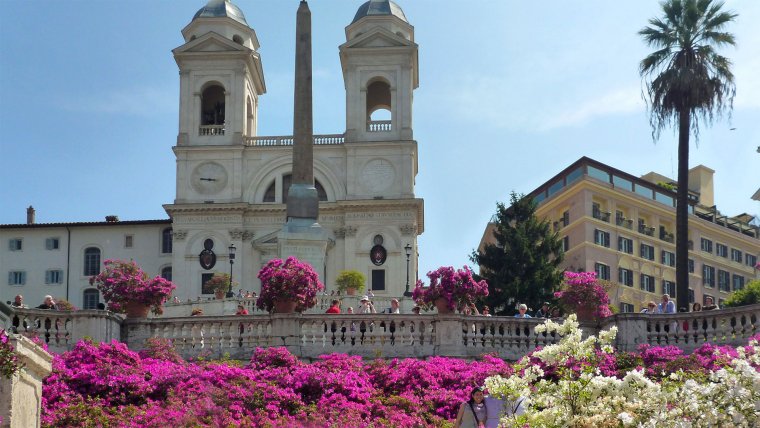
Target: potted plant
219, 284
584, 295
350, 281
449, 288
288, 285
126, 288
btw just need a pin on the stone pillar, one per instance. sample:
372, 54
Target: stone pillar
21, 395
448, 336
286, 331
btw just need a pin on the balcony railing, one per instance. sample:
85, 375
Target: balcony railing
623, 222
287, 140
378, 125
603, 216
212, 130
667, 237
649, 231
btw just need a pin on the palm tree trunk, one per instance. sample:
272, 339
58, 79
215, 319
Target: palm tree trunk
682, 212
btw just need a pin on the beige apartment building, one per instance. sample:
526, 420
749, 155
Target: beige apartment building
623, 228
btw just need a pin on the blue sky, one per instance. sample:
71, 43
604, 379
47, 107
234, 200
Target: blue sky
510, 93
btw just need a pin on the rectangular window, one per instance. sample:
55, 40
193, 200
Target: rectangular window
706, 245
565, 218
646, 282
738, 282
52, 244
622, 183
53, 276
724, 281
646, 251
668, 258
602, 238
565, 243
708, 276
750, 260
602, 271
16, 277
128, 241
15, 244
625, 245
691, 296
378, 280
669, 287
598, 174
664, 199
691, 266
721, 250
205, 277
626, 308
736, 255
625, 276
644, 191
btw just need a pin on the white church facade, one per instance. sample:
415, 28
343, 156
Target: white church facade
231, 183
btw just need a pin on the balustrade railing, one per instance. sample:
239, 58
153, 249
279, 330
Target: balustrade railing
379, 125
211, 130
287, 140
375, 335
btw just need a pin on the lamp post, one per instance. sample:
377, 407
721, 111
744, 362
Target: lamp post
408, 249
231, 250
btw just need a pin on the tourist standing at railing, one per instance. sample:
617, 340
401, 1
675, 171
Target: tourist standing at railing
18, 302
521, 311
394, 309
667, 306
696, 307
241, 310
366, 306
49, 303
650, 309
334, 307
486, 311
709, 304
543, 312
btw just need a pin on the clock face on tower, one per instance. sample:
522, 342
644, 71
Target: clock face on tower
208, 178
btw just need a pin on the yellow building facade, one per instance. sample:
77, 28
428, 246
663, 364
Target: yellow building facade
623, 228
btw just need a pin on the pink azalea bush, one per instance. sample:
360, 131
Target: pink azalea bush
581, 291
9, 364
457, 287
109, 385
123, 282
289, 280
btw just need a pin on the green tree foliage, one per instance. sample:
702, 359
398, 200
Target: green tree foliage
350, 279
686, 79
748, 295
523, 266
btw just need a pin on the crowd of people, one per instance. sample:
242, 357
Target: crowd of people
668, 306
47, 303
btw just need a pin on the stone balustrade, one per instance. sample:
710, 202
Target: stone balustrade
379, 335
287, 140
61, 330
379, 125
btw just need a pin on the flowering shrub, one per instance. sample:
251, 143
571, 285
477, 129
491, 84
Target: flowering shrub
109, 385
123, 282
580, 383
220, 282
581, 292
457, 287
9, 364
289, 280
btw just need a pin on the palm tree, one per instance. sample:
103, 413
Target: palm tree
686, 80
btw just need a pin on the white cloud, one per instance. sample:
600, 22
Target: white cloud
614, 102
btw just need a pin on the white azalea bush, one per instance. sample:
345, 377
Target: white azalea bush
572, 384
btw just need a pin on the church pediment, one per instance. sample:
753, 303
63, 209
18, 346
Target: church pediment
211, 42
377, 37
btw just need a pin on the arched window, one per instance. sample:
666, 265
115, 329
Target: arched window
271, 192
212, 110
91, 261
379, 106
249, 118
166, 273
166, 240
90, 299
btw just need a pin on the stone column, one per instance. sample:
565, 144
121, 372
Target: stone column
21, 395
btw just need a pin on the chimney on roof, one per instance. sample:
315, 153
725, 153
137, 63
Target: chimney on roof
112, 218
30, 215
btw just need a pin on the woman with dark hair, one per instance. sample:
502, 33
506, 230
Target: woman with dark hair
472, 413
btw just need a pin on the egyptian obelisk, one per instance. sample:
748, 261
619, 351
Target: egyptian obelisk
302, 236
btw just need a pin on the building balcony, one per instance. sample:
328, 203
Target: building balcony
287, 140
600, 215
649, 231
623, 222
379, 125
211, 130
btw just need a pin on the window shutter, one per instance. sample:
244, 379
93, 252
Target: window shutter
23, 278
48, 274
11, 245
10, 278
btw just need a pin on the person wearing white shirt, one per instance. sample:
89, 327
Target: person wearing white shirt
667, 306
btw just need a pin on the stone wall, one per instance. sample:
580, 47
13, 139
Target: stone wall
21, 395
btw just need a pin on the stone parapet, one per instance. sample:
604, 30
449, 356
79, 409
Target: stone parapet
21, 395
